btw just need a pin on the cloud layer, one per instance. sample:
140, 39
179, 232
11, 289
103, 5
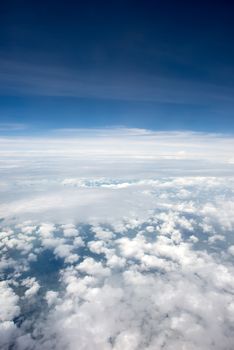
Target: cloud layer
116, 262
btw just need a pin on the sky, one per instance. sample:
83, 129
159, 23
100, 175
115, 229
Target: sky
116, 175
159, 65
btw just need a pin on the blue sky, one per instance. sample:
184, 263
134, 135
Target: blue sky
161, 65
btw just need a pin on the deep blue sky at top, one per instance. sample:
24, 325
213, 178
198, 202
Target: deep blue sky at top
164, 65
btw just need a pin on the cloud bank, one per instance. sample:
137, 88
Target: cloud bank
109, 249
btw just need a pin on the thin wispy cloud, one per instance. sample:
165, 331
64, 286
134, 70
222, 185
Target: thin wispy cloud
43, 80
12, 127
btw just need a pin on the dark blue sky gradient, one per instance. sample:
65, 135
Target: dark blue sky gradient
164, 65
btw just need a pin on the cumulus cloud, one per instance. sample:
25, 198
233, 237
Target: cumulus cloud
9, 308
32, 287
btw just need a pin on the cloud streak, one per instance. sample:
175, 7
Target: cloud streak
43, 80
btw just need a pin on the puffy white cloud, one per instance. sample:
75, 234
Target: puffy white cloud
32, 287
103, 234
231, 249
8, 334
51, 297
93, 268
46, 230
69, 230
8, 302
63, 250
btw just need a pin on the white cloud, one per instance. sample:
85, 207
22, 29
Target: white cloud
8, 303
93, 268
32, 287
12, 127
231, 249
70, 230
8, 334
51, 297
99, 249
